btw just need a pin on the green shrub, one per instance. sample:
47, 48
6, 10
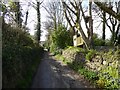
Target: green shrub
20, 57
90, 54
60, 57
97, 41
109, 75
118, 52
60, 38
80, 69
75, 49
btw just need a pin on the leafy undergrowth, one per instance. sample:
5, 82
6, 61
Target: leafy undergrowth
73, 49
90, 54
107, 77
60, 57
90, 75
20, 58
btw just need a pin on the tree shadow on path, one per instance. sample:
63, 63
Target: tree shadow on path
52, 73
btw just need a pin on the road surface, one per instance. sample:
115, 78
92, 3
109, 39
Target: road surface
54, 74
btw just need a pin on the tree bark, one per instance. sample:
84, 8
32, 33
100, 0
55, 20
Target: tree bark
38, 23
26, 18
91, 25
117, 31
104, 21
18, 15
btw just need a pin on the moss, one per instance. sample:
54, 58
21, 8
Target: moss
90, 55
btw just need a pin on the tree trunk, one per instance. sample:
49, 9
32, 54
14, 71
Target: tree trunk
113, 36
117, 31
38, 23
18, 15
104, 21
77, 22
55, 21
91, 25
86, 40
26, 18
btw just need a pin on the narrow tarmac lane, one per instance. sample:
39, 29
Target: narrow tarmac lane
54, 74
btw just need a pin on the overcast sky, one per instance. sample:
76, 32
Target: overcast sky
32, 21
32, 18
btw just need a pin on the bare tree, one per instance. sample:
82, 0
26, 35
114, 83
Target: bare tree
26, 18
101, 14
104, 26
115, 23
72, 14
108, 19
38, 22
12, 11
108, 10
18, 14
37, 7
54, 18
90, 24
55, 14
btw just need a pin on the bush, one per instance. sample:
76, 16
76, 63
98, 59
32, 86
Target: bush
76, 49
109, 73
60, 57
78, 66
90, 54
109, 76
97, 41
20, 57
60, 38
80, 69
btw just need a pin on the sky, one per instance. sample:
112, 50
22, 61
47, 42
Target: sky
33, 16
32, 19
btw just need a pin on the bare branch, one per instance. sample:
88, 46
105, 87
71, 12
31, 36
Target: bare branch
65, 5
83, 15
108, 26
71, 16
108, 10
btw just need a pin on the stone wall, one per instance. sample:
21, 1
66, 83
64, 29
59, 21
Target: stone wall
105, 48
100, 59
74, 55
95, 64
